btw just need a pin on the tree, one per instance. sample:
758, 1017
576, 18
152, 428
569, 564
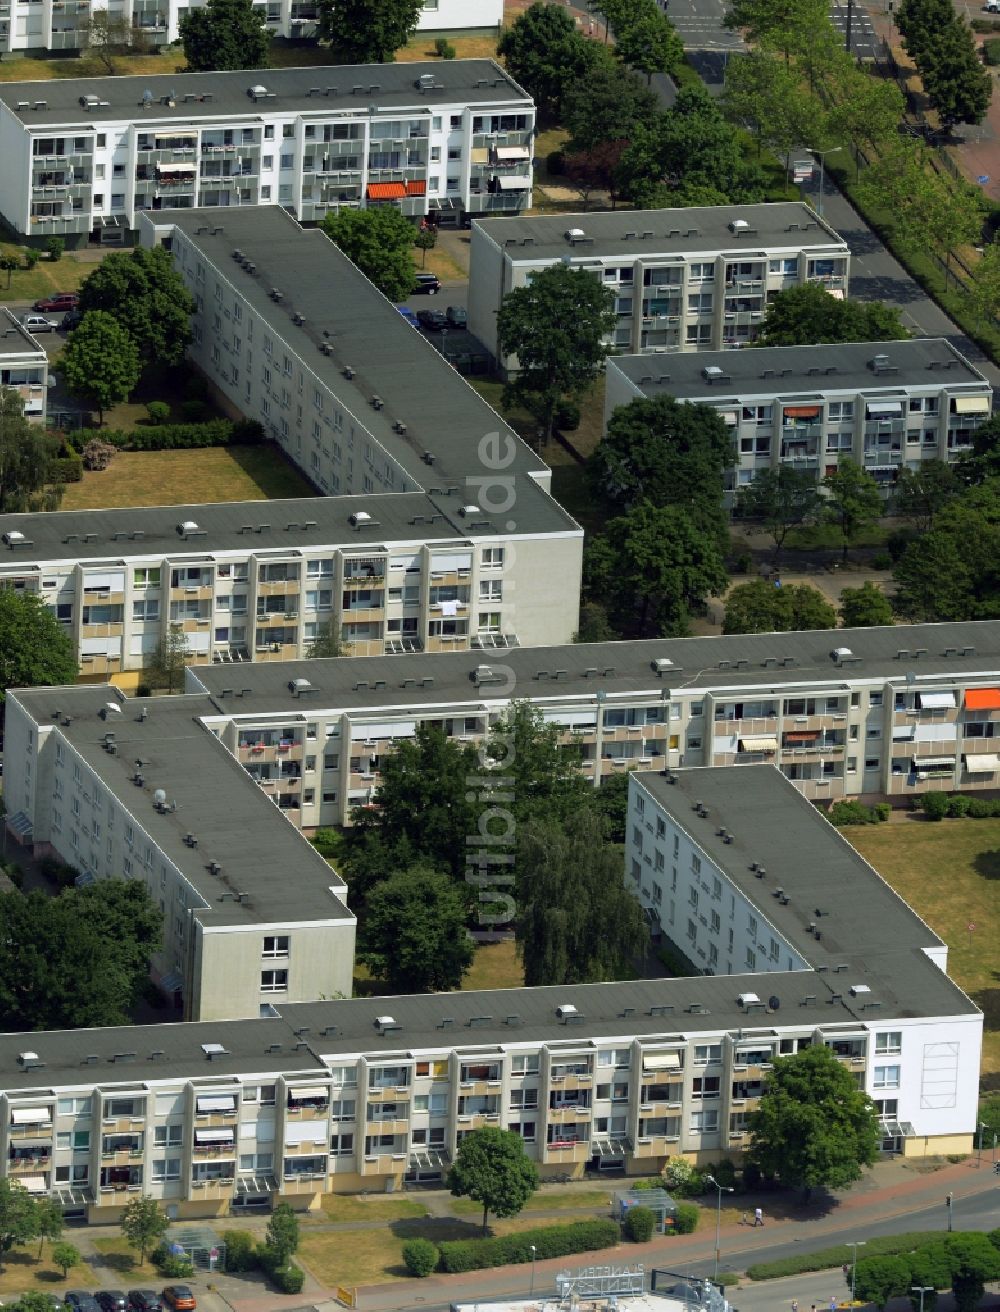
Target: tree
122, 912
853, 501
50, 1222
143, 1224
544, 52
568, 879
379, 241
921, 493
761, 607
779, 500
878, 1280
557, 327
27, 457
935, 580
18, 1217
367, 31
100, 362
808, 314
813, 1128
425, 240
656, 568
983, 461
866, 607
170, 658
610, 802
542, 774
594, 624
413, 936
974, 1262
942, 46
492, 1168
8, 263
282, 1236
35, 650
107, 35
650, 44
782, 25
328, 642
866, 109
984, 292
147, 296
55, 246
606, 108
225, 34
769, 99
33, 1300
65, 1256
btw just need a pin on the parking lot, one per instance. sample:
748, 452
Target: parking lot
456, 344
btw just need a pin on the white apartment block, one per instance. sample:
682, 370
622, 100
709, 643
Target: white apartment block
83, 158
24, 367
886, 405
142, 790
850, 713
362, 1094
40, 25
694, 279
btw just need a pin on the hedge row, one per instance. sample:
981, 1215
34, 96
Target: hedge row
938, 806
551, 1241
173, 437
824, 1258
856, 813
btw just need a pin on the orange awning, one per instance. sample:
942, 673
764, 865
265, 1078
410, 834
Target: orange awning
386, 190
418, 188
802, 736
801, 411
982, 699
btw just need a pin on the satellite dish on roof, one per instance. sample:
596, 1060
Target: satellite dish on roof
774, 1002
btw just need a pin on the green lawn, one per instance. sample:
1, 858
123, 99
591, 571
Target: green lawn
117, 1256
949, 872
45, 278
23, 1271
351, 1207
496, 966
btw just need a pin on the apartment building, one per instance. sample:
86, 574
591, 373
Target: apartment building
54, 25
886, 405
694, 279
83, 158
340, 1096
24, 367
142, 790
855, 713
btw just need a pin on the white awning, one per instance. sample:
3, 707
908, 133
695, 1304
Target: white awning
213, 1136
35, 1184
836, 292
985, 763
729, 417
570, 719
31, 1116
307, 1092
903, 733
934, 762
216, 1102
513, 152
446, 564
176, 168
113, 581
971, 405
759, 744
884, 407
299, 1132
661, 1061
514, 183
388, 729
935, 701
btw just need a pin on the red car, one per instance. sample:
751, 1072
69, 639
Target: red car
179, 1297
61, 301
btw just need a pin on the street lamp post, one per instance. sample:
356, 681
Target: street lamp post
948, 1200
979, 1152
531, 1287
722, 1189
854, 1245
822, 171
922, 1290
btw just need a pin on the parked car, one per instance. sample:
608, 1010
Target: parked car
112, 1300
80, 1301
456, 316
432, 321
408, 315
71, 319
180, 1298
428, 283
37, 323
61, 301
144, 1300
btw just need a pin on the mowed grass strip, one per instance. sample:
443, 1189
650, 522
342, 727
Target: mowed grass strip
949, 872
23, 1271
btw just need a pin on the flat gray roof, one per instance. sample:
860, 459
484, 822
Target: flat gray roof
235, 823
617, 668
345, 313
780, 370
15, 338
632, 233
337, 88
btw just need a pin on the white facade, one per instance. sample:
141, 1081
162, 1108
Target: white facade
24, 367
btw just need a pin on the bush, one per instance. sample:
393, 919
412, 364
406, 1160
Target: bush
55, 247
882, 560
158, 412
742, 563
982, 808
552, 1241
856, 813
725, 1173
639, 1224
444, 49
678, 1175
175, 1266
825, 1258
175, 437
726, 1279
420, 1256
194, 409
959, 805
98, 454
991, 51
61, 874
31, 257
241, 1251
686, 1219
985, 25
567, 416
752, 1175
883, 810
288, 1279
67, 468
934, 805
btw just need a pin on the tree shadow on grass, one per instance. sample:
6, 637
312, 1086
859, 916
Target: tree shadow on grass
435, 1228
122, 1264
987, 864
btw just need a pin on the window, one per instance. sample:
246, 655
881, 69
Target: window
168, 1136
524, 1064
73, 1107
273, 981
888, 1042
705, 1122
705, 1086
275, 945
707, 1053
493, 557
886, 1077
78, 1140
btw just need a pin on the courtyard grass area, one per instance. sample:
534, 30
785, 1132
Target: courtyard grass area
496, 966
123, 1261
22, 1271
949, 872
176, 478
45, 279
557, 1198
354, 1207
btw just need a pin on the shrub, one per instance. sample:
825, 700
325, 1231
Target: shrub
58, 871
640, 1222
241, 1251
856, 813
444, 49
991, 51
883, 810
288, 1279
98, 454
958, 805
158, 412
686, 1219
194, 409
175, 1266
751, 1175
743, 562
824, 1258
567, 416
67, 468
171, 437
726, 1279
725, 1173
934, 805
420, 1256
985, 25
552, 1241
981, 808
31, 257
55, 247
881, 560
678, 1174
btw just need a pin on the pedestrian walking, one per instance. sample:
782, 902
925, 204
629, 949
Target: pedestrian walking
758, 1217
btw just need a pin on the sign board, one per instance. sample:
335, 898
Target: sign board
802, 170
346, 1296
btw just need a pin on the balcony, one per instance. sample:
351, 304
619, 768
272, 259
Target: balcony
568, 1150
288, 587
569, 1114
655, 1145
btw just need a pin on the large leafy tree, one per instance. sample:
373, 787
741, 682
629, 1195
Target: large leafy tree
380, 242
779, 500
540, 772
413, 937
367, 31
974, 1262
146, 295
785, 26
27, 456
853, 501
568, 881
492, 1168
606, 107
650, 44
982, 463
225, 34
880, 1279
108, 36
556, 327
18, 1216
953, 572
544, 52
35, 650
942, 46
813, 1128
865, 607
807, 314
771, 101
101, 361
921, 493
761, 607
